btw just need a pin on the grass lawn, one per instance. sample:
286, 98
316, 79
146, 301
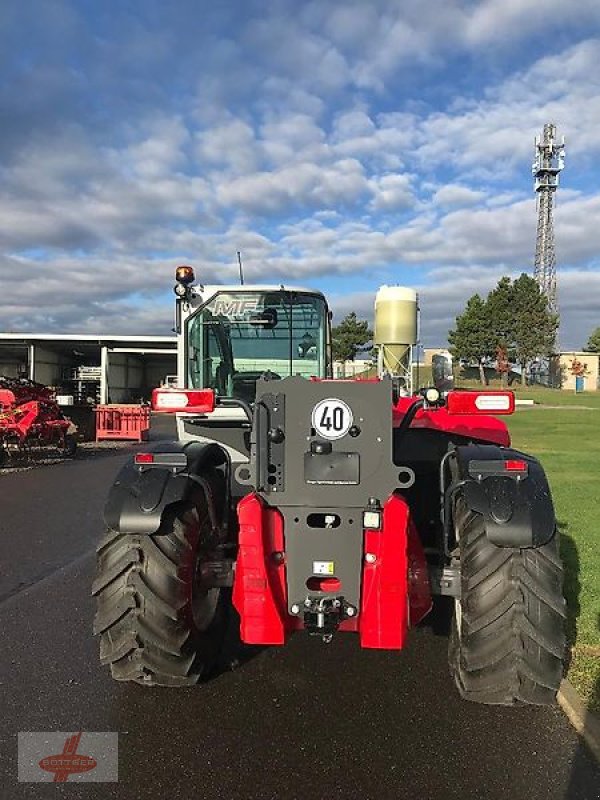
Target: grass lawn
567, 442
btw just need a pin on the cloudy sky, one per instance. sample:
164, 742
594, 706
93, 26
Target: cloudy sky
339, 145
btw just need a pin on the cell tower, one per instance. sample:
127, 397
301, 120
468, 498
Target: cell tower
549, 161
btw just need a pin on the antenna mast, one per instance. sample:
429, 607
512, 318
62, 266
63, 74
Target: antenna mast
239, 255
548, 162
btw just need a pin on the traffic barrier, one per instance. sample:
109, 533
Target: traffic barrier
122, 422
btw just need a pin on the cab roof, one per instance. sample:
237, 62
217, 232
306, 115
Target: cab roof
209, 289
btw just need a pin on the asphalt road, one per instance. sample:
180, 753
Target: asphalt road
309, 721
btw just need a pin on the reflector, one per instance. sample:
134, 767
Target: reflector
480, 402
315, 584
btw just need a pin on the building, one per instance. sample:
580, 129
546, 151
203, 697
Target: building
561, 367
87, 369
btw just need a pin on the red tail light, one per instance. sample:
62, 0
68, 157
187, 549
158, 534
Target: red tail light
480, 402
144, 458
514, 465
196, 401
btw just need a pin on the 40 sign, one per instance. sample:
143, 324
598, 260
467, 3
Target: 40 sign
332, 418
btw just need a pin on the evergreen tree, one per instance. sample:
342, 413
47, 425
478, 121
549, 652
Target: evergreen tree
473, 338
593, 345
501, 313
534, 327
348, 336
513, 320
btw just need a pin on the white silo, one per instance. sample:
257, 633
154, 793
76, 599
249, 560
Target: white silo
396, 332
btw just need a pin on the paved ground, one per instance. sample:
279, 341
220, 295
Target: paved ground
309, 721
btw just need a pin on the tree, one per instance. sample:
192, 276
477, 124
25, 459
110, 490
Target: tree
501, 324
473, 339
513, 321
534, 327
348, 336
593, 345
500, 313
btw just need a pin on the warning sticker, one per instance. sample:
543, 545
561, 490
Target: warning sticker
323, 568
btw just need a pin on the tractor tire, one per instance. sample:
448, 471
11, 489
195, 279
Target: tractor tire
507, 641
157, 625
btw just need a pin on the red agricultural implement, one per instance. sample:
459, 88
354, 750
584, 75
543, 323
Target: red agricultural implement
31, 421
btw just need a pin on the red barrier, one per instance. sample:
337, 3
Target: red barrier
122, 422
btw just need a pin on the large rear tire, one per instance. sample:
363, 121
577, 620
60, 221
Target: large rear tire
158, 624
507, 644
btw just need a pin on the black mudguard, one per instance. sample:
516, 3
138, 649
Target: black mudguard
140, 494
517, 508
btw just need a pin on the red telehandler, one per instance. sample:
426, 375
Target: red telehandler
293, 502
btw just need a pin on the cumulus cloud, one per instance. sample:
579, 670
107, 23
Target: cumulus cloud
452, 194
391, 192
341, 144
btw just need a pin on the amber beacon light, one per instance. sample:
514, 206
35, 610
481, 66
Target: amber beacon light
185, 275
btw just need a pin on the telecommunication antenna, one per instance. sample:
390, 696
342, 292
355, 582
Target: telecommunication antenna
549, 161
239, 255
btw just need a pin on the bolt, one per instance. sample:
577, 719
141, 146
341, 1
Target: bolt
295, 609
370, 558
350, 611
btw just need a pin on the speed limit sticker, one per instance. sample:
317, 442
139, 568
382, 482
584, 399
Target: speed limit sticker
332, 418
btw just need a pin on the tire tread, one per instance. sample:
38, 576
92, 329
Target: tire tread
143, 593
511, 646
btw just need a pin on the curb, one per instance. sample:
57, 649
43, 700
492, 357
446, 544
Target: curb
585, 722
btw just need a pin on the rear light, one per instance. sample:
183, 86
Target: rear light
480, 402
372, 520
195, 401
172, 460
515, 466
144, 458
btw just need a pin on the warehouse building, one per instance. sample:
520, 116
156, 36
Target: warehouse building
89, 369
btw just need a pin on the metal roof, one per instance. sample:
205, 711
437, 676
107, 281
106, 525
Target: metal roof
92, 338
